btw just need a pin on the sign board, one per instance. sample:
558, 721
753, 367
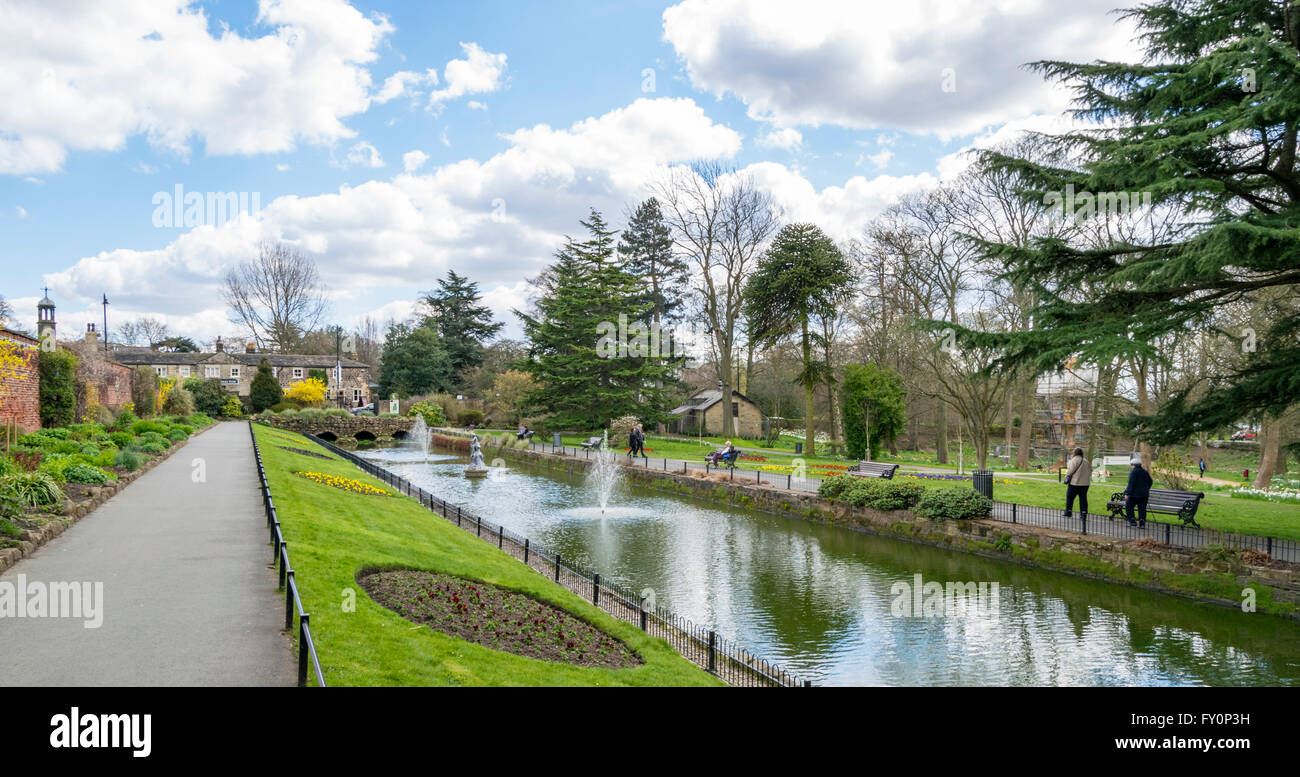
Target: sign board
394, 405
230, 381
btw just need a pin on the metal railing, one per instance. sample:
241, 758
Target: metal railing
703, 646
292, 601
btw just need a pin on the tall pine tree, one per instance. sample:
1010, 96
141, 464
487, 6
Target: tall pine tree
647, 248
463, 324
586, 375
1207, 125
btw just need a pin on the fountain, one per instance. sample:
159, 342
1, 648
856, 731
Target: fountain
475, 468
420, 434
604, 473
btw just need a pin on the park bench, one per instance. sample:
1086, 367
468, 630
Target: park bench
1163, 500
592, 443
873, 469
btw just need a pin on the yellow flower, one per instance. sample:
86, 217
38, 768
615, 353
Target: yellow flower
345, 484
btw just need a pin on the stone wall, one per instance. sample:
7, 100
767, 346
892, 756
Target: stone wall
20, 397
345, 430
1177, 571
111, 381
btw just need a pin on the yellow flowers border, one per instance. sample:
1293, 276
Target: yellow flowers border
345, 484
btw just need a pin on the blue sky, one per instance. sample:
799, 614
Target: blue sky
536, 112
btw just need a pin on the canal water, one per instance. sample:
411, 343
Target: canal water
828, 603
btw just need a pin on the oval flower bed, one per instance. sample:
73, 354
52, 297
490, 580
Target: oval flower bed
305, 452
497, 618
345, 484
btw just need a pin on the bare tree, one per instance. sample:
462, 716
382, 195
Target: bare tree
277, 297
142, 331
721, 221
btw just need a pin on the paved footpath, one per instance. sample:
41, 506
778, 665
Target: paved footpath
189, 598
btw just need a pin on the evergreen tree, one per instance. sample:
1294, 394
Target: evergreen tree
874, 410
414, 362
646, 247
462, 323
1207, 126
588, 371
58, 387
264, 391
797, 280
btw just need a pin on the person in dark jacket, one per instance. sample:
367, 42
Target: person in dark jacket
631, 443
640, 441
1137, 492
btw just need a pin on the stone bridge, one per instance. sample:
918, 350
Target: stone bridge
348, 432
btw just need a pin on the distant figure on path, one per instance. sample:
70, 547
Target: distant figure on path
1137, 492
1201, 465
1077, 479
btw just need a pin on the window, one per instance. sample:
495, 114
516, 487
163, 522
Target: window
297, 372
162, 371
234, 372
275, 372
185, 372
735, 410
212, 372
356, 395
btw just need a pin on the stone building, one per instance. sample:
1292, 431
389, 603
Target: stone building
235, 370
702, 414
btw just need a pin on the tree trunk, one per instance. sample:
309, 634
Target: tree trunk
1011, 418
1270, 433
1027, 390
941, 433
1144, 405
810, 422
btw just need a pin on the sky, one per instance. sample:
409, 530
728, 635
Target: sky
392, 141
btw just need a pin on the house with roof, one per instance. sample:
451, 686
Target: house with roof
235, 370
701, 414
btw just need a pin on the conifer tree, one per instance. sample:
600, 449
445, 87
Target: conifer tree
463, 324
647, 248
1206, 125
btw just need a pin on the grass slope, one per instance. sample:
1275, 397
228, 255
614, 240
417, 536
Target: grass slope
334, 534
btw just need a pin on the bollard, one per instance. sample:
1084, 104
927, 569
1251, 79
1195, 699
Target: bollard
302, 650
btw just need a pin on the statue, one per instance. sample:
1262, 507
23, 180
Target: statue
475, 468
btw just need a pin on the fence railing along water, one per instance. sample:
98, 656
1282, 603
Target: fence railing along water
292, 601
1174, 535
704, 647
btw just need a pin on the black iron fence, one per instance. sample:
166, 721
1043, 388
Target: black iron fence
703, 646
292, 601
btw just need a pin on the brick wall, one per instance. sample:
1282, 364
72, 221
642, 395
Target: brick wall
20, 396
112, 381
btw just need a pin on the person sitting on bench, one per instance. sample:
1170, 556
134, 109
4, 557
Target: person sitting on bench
524, 432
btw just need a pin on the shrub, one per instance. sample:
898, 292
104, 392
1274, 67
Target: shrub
53, 434
144, 390
952, 504
265, 390
153, 446
179, 402
209, 396
154, 437
834, 487
146, 427
84, 473
103, 416
232, 408
128, 460
469, 418
58, 387
177, 434
620, 428
199, 420
310, 392
106, 458
126, 417
32, 489
280, 407
8, 466
290, 414
430, 411
67, 447
89, 451
337, 412
121, 439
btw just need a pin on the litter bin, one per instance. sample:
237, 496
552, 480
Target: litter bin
798, 448
555, 441
983, 480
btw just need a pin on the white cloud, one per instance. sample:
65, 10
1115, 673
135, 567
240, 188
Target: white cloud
364, 154
282, 167
475, 105
144, 168
867, 65
478, 73
21, 211
414, 160
402, 83
880, 159
788, 139
77, 76
953, 165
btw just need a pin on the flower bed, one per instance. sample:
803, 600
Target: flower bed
497, 618
305, 452
343, 484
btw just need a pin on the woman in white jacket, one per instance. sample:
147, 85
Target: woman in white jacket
1078, 476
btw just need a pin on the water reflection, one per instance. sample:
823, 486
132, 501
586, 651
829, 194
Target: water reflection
817, 599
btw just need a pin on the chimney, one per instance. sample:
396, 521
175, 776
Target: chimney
250, 348
221, 347
91, 335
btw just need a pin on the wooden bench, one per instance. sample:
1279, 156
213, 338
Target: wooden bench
1163, 500
593, 443
873, 469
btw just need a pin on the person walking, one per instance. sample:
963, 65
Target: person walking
640, 442
1137, 492
1077, 479
631, 443
1201, 465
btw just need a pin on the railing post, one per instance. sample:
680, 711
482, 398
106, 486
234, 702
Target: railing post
526, 550
283, 561
1013, 512
480, 527
557, 567
1270, 545
789, 480
501, 537
1167, 527
713, 651
288, 603
643, 614
302, 649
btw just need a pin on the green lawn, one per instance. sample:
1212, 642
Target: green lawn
334, 534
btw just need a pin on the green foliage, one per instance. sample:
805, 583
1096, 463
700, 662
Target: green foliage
58, 387
469, 418
85, 473
873, 403
199, 420
322, 375
952, 504
462, 324
153, 446
432, 412
126, 417
179, 402
177, 434
587, 371
32, 489
876, 493
144, 427
209, 396
647, 248
265, 391
144, 390
1204, 126
121, 439
128, 460
413, 362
